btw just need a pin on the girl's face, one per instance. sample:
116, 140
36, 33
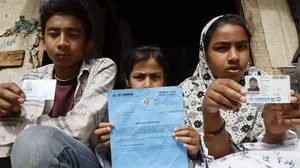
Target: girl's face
228, 52
147, 73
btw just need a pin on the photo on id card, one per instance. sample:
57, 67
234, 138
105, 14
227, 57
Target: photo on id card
268, 89
254, 85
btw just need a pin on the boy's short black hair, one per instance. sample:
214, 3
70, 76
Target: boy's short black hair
252, 79
72, 7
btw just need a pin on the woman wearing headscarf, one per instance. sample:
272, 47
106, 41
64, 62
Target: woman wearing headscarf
215, 97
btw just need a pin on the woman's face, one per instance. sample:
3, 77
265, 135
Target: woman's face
145, 74
228, 52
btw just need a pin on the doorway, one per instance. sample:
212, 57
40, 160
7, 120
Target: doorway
173, 26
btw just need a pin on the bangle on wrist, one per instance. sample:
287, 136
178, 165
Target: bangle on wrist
209, 134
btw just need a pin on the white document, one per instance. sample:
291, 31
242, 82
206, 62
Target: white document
39, 89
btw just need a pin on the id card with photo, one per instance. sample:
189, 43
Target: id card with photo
39, 89
268, 89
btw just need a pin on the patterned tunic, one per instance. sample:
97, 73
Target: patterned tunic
262, 155
244, 124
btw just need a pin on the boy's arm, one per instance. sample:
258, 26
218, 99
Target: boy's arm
82, 120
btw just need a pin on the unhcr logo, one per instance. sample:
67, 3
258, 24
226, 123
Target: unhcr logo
146, 101
123, 95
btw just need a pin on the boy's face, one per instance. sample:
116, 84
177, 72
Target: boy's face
64, 40
253, 84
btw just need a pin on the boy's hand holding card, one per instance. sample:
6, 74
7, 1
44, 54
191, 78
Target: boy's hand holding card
268, 89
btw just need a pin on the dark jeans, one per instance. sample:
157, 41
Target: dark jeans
5, 162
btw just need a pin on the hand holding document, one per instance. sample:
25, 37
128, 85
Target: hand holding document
144, 121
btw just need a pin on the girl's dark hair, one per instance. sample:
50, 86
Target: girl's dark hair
226, 19
72, 7
144, 53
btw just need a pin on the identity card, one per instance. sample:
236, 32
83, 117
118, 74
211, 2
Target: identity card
268, 89
39, 89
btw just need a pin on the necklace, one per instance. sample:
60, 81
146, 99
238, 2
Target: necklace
65, 80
